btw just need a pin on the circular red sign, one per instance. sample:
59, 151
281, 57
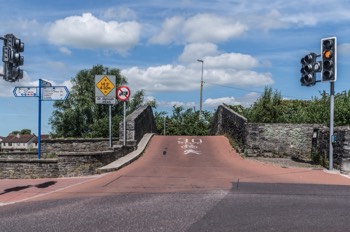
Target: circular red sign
123, 93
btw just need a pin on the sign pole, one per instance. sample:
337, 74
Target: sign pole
123, 93
39, 122
110, 126
124, 143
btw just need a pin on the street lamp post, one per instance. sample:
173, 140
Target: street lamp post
201, 91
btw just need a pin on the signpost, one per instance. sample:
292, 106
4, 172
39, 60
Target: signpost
104, 86
45, 92
25, 91
105, 94
55, 93
123, 94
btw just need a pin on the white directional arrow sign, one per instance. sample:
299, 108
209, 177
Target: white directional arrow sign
55, 93
25, 91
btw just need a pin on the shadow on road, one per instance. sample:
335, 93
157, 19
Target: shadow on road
20, 188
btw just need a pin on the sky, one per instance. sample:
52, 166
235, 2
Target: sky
245, 46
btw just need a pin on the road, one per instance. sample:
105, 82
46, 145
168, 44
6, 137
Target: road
182, 184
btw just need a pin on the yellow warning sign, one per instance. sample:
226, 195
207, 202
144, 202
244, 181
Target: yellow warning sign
105, 85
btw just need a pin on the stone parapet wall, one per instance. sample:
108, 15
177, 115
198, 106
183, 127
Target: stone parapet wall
264, 139
138, 123
301, 141
21, 155
67, 164
279, 140
227, 122
86, 163
55, 146
28, 169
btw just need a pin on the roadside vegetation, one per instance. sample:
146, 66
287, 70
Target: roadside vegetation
184, 122
272, 108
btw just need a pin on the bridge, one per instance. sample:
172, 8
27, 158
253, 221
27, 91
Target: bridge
175, 183
81, 157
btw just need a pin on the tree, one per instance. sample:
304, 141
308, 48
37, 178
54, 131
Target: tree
79, 116
184, 122
267, 108
22, 132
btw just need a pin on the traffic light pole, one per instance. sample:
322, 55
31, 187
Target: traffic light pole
331, 126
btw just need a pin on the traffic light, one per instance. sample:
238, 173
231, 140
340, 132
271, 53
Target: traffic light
18, 47
12, 58
308, 70
329, 59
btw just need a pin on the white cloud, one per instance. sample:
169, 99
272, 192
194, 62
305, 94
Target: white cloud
65, 51
245, 100
211, 28
89, 32
214, 102
201, 28
171, 30
235, 61
176, 103
195, 51
177, 78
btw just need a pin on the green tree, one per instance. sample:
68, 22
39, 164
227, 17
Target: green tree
22, 132
184, 122
267, 108
79, 116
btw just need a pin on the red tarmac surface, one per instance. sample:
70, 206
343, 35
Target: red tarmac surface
170, 164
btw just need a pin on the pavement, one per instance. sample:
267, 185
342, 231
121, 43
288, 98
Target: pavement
170, 164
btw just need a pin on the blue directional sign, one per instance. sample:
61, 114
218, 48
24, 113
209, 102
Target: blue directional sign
26, 91
55, 93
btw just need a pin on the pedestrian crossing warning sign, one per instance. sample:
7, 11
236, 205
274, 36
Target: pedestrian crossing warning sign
105, 85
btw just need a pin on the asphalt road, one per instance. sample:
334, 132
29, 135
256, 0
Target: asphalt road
189, 184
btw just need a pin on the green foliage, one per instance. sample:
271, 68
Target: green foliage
267, 108
272, 108
79, 116
184, 122
22, 132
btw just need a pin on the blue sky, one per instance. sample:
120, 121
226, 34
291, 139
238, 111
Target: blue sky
245, 45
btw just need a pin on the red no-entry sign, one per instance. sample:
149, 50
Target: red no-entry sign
123, 93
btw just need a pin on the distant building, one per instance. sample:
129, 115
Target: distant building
19, 142
45, 136
1, 138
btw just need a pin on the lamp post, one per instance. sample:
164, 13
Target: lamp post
201, 91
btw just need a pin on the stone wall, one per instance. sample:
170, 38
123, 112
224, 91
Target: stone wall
263, 139
54, 146
19, 155
301, 141
279, 140
227, 122
86, 163
28, 168
138, 123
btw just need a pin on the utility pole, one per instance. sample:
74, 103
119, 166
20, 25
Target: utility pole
201, 91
